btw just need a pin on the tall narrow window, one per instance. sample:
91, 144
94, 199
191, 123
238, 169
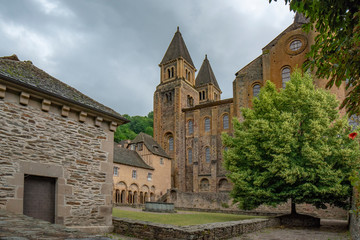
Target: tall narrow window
207, 154
226, 121
116, 171
149, 177
190, 156
256, 90
285, 76
134, 174
171, 143
190, 127
207, 124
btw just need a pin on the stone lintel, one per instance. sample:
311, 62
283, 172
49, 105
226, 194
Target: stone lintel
45, 106
24, 98
2, 91
65, 111
82, 116
113, 126
98, 121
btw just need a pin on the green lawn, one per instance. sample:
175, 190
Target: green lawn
190, 218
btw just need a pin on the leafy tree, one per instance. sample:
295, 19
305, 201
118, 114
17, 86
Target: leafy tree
137, 124
291, 145
336, 52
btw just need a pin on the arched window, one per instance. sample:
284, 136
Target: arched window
285, 76
256, 90
226, 121
190, 127
171, 143
190, 156
172, 72
204, 184
207, 154
169, 73
207, 124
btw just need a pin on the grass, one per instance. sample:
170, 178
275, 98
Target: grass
188, 218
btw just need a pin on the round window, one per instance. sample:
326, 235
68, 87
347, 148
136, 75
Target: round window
295, 45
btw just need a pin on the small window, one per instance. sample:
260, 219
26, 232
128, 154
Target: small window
140, 146
226, 121
161, 161
215, 96
256, 90
295, 45
116, 171
134, 174
207, 154
190, 127
149, 177
171, 143
132, 147
285, 76
190, 156
207, 124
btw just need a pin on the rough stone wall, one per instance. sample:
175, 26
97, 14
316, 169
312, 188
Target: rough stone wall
42, 143
223, 230
221, 201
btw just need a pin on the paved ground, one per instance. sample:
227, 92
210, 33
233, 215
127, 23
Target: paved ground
20, 227
329, 230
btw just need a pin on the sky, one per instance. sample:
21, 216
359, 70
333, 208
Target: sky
110, 49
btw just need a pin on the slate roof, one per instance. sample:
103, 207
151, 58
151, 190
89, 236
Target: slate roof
176, 49
151, 144
26, 74
129, 157
206, 75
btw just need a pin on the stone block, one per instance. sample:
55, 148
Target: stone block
2, 91
45, 105
15, 206
24, 98
65, 111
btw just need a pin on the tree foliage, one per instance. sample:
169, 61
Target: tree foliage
336, 52
291, 145
137, 124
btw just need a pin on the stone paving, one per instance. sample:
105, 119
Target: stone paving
330, 230
21, 227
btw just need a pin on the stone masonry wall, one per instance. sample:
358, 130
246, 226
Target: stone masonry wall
221, 202
223, 230
42, 143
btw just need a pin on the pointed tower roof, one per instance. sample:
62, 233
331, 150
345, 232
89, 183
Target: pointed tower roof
206, 75
176, 49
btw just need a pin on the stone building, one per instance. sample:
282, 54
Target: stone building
142, 171
190, 116
56, 149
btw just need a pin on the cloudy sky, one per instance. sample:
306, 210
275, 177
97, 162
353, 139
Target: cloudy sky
110, 50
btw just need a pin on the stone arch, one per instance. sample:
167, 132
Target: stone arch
123, 196
173, 195
224, 185
169, 141
121, 185
204, 184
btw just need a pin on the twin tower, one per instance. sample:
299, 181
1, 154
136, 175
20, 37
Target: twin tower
190, 116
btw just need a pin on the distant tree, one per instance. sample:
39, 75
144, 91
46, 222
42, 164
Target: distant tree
336, 52
137, 124
291, 145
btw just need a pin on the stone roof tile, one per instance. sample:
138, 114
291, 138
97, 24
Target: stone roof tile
176, 49
151, 144
129, 157
206, 75
25, 73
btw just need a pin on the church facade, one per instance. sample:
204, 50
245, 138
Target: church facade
190, 116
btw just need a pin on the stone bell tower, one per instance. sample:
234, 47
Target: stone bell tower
175, 92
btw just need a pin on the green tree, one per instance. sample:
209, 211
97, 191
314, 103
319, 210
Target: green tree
291, 145
137, 124
336, 52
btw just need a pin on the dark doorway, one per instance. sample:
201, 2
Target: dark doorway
39, 197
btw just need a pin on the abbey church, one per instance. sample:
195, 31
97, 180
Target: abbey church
190, 116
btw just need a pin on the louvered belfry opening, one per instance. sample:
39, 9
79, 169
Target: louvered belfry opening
39, 197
